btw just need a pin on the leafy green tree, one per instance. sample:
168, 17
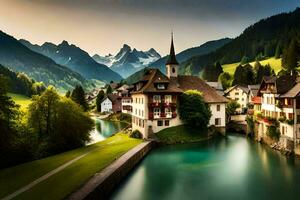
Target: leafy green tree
38, 88
225, 78
193, 110
78, 95
59, 123
244, 60
231, 107
109, 90
100, 97
291, 56
262, 71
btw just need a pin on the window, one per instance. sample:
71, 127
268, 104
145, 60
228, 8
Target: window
218, 107
168, 98
167, 123
237, 93
156, 113
168, 112
242, 99
236, 99
173, 70
142, 100
217, 121
156, 99
161, 86
159, 123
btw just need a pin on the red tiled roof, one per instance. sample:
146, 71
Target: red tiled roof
256, 100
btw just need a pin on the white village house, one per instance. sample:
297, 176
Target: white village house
240, 94
155, 99
111, 103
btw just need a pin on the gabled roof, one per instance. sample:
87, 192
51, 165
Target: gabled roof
253, 89
154, 76
210, 95
245, 89
112, 97
292, 93
216, 85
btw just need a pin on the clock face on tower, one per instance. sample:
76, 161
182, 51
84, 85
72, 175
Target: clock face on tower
173, 70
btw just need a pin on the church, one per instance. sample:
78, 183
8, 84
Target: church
155, 99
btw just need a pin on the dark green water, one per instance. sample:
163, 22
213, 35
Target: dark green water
104, 129
232, 168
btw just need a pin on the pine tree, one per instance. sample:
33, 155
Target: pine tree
278, 51
99, 99
68, 93
78, 95
109, 90
291, 56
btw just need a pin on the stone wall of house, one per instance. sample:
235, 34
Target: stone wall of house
103, 183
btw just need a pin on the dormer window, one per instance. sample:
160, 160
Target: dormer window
161, 86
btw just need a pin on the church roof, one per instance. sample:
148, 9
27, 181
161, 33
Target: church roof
179, 85
172, 57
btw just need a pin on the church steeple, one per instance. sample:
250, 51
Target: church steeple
172, 57
172, 64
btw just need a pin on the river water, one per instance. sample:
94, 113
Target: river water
231, 168
104, 129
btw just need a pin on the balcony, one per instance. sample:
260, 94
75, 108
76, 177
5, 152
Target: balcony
168, 115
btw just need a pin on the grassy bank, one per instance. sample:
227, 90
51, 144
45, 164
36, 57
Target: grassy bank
119, 117
61, 184
181, 134
21, 100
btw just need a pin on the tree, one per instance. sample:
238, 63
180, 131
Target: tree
109, 90
262, 71
193, 110
231, 107
278, 51
78, 95
244, 75
291, 56
68, 94
59, 123
225, 78
244, 60
99, 99
211, 73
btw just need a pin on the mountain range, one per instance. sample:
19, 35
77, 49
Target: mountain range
76, 59
264, 39
128, 60
17, 57
205, 48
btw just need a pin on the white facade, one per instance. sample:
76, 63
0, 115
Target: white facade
126, 102
106, 105
218, 117
141, 121
240, 96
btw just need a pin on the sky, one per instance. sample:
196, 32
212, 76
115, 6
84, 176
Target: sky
103, 26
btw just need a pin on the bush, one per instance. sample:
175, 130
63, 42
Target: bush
273, 132
193, 110
282, 119
290, 121
136, 134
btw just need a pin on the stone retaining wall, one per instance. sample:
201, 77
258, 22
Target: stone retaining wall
102, 184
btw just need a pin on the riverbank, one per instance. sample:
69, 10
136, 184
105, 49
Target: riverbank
181, 134
94, 158
119, 117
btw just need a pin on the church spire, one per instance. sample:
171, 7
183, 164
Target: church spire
172, 57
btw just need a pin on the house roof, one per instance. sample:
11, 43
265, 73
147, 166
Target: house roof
282, 84
256, 100
216, 85
292, 93
154, 76
112, 97
178, 85
254, 89
210, 95
245, 89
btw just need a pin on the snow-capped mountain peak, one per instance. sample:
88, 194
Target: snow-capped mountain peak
128, 60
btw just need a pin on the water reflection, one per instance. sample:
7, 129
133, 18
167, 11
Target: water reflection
104, 129
232, 168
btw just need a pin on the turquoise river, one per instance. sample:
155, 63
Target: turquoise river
231, 168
